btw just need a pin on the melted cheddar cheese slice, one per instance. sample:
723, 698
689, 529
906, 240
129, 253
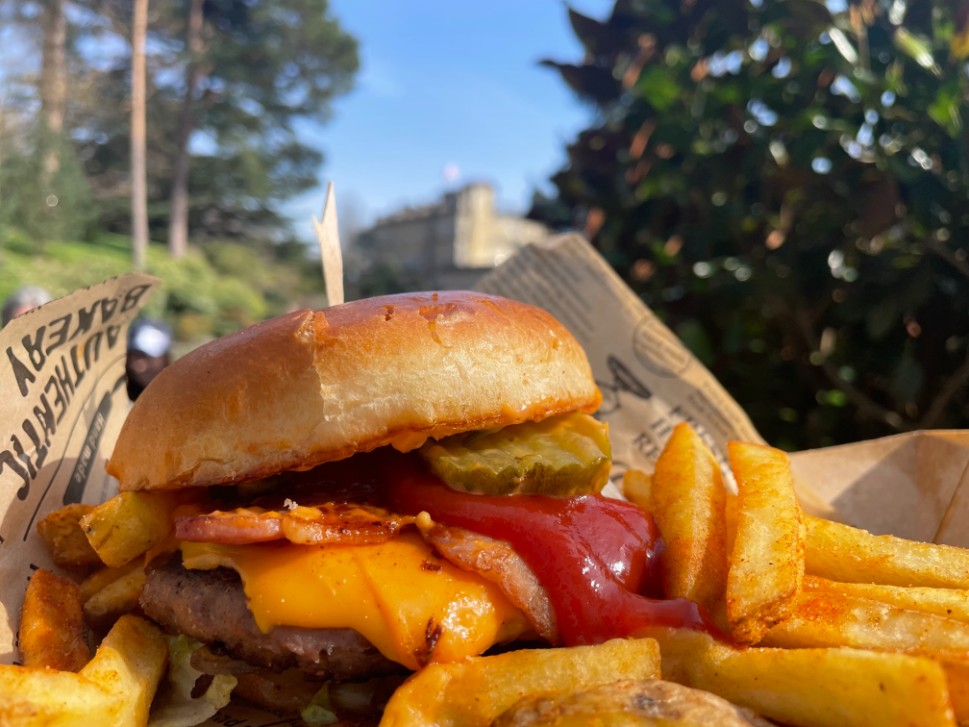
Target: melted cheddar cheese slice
408, 602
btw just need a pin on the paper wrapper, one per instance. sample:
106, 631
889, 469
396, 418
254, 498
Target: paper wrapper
62, 401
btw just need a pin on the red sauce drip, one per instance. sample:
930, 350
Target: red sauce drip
595, 556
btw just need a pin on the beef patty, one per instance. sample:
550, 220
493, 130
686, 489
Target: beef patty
210, 606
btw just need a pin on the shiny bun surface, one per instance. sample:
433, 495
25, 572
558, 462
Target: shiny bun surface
316, 386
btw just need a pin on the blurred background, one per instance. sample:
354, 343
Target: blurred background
784, 183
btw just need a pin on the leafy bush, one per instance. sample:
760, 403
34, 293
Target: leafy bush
204, 294
785, 183
41, 206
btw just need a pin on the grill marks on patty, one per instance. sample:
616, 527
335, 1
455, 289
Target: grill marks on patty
210, 606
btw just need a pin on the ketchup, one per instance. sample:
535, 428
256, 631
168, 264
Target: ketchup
595, 556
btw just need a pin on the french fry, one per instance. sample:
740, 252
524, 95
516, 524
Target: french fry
811, 687
128, 524
637, 487
730, 519
475, 691
116, 598
843, 553
65, 540
129, 664
687, 502
826, 615
115, 688
948, 602
105, 576
34, 697
51, 632
767, 558
957, 676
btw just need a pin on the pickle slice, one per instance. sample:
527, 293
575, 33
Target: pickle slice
564, 455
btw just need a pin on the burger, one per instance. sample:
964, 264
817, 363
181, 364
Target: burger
359, 491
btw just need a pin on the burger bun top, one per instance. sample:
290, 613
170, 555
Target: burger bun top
317, 386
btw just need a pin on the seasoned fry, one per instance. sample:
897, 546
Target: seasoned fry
957, 676
128, 524
637, 488
767, 557
52, 625
730, 518
116, 598
129, 664
826, 615
105, 576
475, 691
811, 687
843, 553
688, 501
65, 540
115, 688
949, 602
33, 697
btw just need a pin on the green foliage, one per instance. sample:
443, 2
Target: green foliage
43, 206
384, 277
201, 295
266, 65
202, 300
786, 185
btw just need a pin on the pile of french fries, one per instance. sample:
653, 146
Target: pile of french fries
822, 624
58, 681
832, 625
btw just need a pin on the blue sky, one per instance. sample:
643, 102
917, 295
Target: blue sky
449, 92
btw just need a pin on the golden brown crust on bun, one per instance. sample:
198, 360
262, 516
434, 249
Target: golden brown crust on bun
312, 387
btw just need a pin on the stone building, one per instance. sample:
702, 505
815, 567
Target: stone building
448, 244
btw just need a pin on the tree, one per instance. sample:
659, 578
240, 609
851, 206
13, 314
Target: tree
252, 69
139, 182
53, 83
178, 214
45, 194
221, 146
785, 184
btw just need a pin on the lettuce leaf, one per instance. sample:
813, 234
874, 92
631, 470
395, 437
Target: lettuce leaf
175, 706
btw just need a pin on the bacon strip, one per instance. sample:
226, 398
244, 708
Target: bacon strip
363, 524
496, 561
339, 522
